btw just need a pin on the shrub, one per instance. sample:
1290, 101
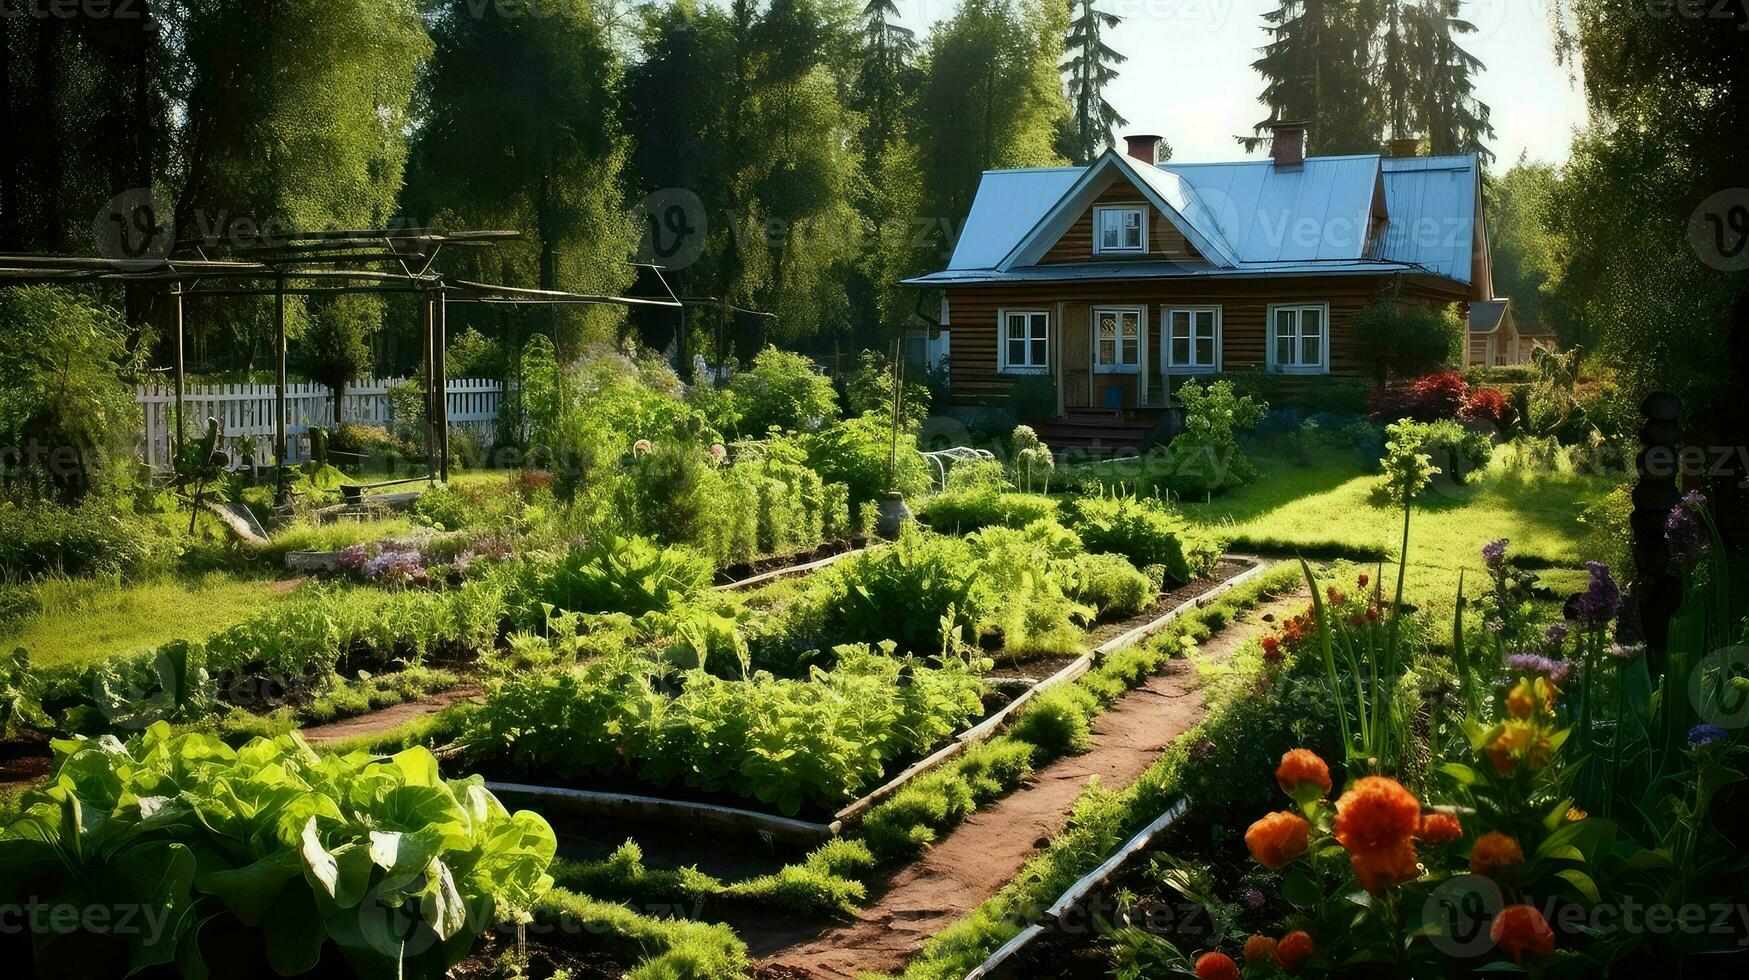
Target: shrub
1488, 405
287, 872
1145, 532
1459, 452
64, 360
1407, 339
1113, 586
785, 391
43, 538
857, 452
869, 389
972, 508
1022, 577
904, 592
1205, 457
1429, 399
664, 493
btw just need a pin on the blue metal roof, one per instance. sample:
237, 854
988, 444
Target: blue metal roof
1257, 219
1432, 203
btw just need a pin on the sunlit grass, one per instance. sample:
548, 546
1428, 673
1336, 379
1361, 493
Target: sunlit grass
86, 620
1324, 508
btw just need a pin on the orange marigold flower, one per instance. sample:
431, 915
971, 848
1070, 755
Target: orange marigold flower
1277, 839
1362, 579
1259, 949
1494, 851
1520, 929
1440, 828
1216, 966
1376, 814
1335, 596
1302, 767
1377, 871
1294, 950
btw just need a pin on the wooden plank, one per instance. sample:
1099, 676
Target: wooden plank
1148, 629
1077, 892
627, 805
989, 967
787, 572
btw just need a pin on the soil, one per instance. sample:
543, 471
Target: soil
25, 760
981, 855
377, 722
742, 571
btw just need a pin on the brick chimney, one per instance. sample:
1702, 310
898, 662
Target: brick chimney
1145, 148
1406, 146
1287, 145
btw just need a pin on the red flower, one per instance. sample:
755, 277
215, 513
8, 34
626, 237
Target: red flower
1271, 648
1494, 852
1294, 950
1362, 579
1259, 949
1216, 966
1376, 815
1302, 767
1520, 929
1440, 828
1377, 871
1277, 839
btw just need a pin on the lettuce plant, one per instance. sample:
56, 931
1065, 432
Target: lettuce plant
176, 849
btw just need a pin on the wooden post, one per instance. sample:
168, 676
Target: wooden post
425, 378
279, 447
1654, 588
176, 442
440, 391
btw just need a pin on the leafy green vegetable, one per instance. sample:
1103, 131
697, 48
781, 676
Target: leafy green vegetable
168, 836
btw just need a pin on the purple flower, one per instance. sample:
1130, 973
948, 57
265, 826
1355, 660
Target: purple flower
1705, 734
1684, 533
1494, 555
352, 557
1597, 605
1252, 897
1556, 635
1557, 671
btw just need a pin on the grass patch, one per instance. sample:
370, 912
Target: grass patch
1323, 508
85, 620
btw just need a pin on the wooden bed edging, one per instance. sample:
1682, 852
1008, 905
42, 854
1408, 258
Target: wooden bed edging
787, 571
699, 814
1073, 671
1078, 892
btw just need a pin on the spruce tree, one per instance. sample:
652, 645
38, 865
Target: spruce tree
888, 48
1315, 69
1446, 107
1090, 67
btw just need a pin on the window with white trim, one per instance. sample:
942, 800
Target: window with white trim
1193, 339
1299, 338
1120, 229
1025, 341
1117, 339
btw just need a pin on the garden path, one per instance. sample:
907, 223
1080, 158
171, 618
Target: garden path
977, 858
395, 715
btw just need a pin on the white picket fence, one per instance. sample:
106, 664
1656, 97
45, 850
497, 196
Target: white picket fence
247, 410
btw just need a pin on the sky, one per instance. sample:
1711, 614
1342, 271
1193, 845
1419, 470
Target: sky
1189, 75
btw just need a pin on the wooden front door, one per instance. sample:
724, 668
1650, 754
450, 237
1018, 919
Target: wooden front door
1077, 359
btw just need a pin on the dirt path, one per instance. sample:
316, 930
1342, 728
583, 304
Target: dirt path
377, 722
984, 853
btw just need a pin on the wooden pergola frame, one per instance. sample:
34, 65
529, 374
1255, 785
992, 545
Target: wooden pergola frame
323, 263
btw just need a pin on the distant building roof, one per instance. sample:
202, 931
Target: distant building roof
1248, 218
1486, 315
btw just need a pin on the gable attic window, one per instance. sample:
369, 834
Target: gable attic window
1024, 344
1120, 228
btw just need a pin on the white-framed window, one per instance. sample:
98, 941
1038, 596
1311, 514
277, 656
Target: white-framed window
1299, 338
1023, 341
1117, 339
1192, 336
1120, 228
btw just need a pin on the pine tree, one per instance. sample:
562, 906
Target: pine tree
1315, 71
1394, 79
1089, 68
1446, 107
888, 50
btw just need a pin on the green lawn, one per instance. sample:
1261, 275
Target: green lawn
86, 620
1324, 509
